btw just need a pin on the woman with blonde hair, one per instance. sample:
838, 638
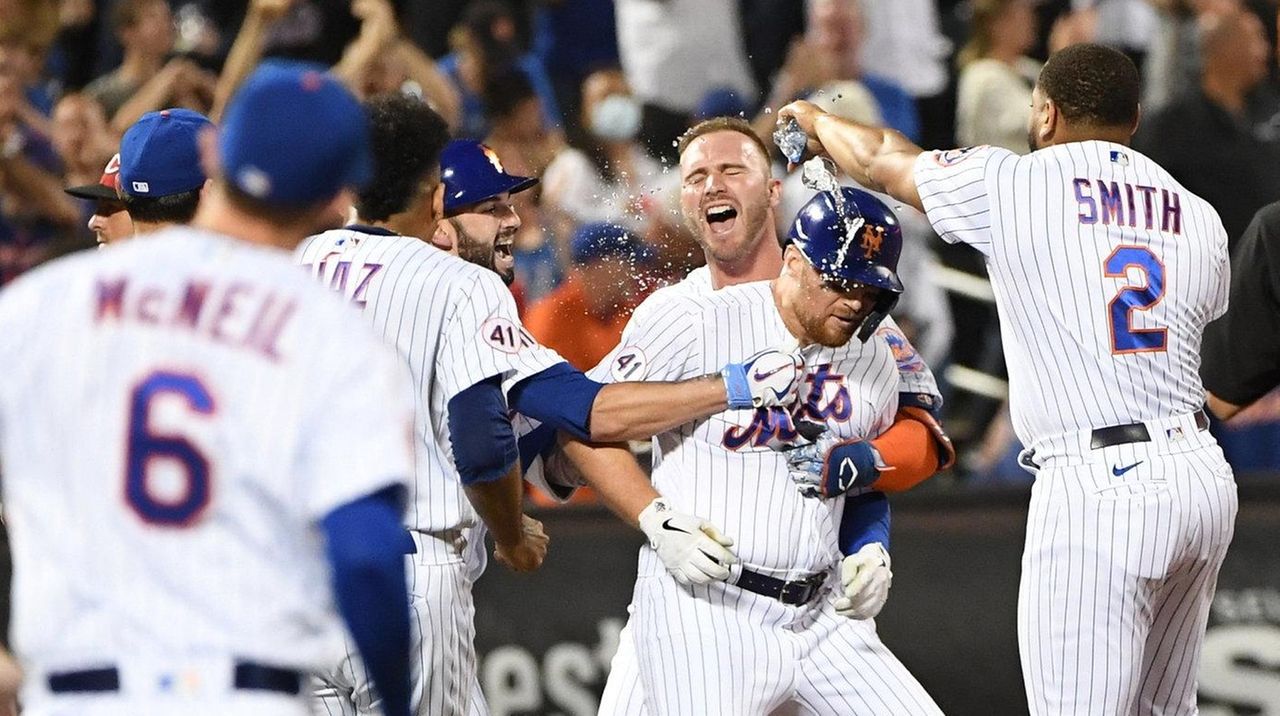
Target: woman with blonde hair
996, 76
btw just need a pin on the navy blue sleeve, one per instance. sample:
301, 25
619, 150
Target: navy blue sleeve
560, 396
484, 447
365, 543
865, 520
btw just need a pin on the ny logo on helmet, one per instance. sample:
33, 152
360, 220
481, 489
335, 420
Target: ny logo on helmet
492, 156
872, 238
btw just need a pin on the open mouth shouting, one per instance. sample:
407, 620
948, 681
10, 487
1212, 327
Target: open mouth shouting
720, 216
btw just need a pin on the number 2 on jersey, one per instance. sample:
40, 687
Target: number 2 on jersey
1124, 337
146, 447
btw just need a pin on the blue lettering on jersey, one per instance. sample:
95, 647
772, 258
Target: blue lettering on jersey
828, 399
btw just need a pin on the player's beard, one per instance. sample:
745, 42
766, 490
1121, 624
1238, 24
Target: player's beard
1032, 142
482, 254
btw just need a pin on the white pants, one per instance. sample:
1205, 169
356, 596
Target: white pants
718, 649
1119, 571
442, 621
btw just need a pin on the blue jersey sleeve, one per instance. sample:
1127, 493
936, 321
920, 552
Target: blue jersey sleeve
484, 446
560, 396
865, 520
365, 546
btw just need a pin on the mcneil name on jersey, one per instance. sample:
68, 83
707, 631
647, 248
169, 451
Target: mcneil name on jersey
1113, 203
236, 314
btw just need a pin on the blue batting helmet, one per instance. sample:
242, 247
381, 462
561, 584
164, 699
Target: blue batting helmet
473, 173
858, 243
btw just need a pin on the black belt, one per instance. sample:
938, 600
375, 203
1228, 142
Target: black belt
796, 593
1134, 433
249, 676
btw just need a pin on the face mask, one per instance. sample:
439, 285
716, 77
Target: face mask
616, 118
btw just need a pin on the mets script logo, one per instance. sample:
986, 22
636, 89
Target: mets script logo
492, 156
872, 238
828, 399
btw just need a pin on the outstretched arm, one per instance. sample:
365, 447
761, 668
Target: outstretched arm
878, 158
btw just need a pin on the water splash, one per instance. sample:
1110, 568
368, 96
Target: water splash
791, 140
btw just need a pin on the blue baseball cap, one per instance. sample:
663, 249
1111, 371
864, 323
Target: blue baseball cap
160, 155
472, 173
601, 240
294, 136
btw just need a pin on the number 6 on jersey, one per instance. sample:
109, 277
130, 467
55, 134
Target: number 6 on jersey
146, 446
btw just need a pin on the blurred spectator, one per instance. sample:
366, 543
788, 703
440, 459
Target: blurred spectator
768, 27
84, 144
1222, 140
526, 148
574, 38
903, 44
381, 61
28, 29
996, 76
145, 31
673, 52
1241, 352
485, 45
108, 219
605, 175
34, 211
1127, 25
80, 136
583, 319
1172, 66
830, 53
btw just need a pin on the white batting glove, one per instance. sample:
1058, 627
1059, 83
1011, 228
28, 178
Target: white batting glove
693, 550
767, 379
864, 581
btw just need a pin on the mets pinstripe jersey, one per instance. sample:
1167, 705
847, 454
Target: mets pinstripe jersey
1105, 271
723, 468
178, 412
454, 323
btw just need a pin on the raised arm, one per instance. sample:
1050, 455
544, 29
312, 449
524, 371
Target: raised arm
878, 158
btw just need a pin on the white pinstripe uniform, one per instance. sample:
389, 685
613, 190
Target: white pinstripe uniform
221, 405
1105, 272
455, 325
718, 648
623, 694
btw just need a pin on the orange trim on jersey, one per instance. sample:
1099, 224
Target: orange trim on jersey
915, 448
1128, 316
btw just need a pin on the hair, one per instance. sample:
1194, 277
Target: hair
407, 137
722, 124
981, 30
505, 92
125, 14
1092, 85
280, 216
171, 208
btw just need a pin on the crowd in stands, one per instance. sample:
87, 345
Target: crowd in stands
591, 95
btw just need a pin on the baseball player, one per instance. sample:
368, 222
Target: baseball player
241, 428
456, 326
771, 635
160, 174
1105, 271
725, 165
463, 166
109, 221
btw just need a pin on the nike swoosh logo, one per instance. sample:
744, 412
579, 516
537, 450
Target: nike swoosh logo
1118, 471
762, 376
666, 525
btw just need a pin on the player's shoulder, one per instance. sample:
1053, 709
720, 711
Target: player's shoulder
961, 158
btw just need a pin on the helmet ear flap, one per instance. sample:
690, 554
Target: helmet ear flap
884, 304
